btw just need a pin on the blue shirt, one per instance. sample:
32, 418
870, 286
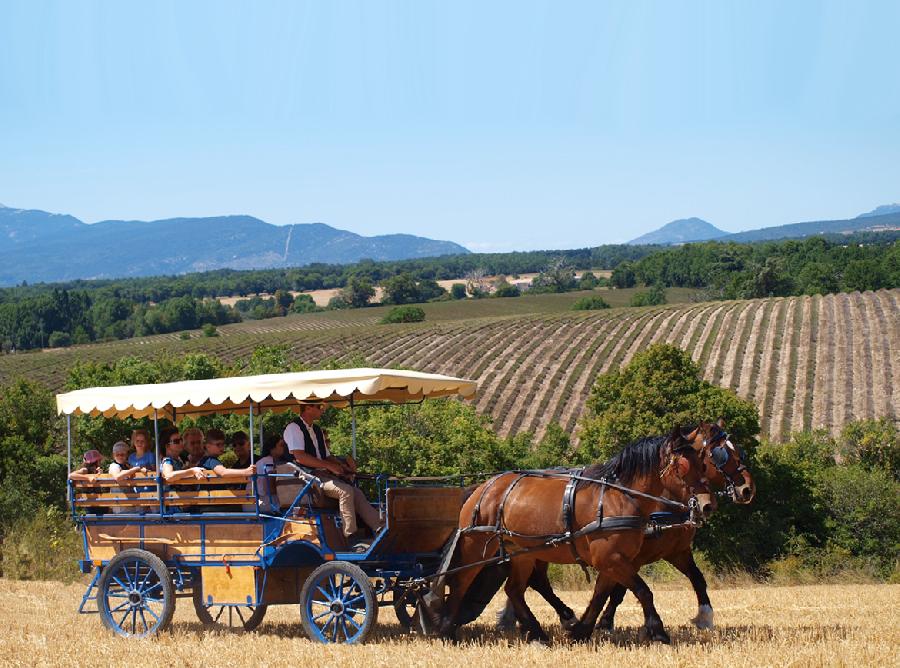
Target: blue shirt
174, 462
148, 461
209, 462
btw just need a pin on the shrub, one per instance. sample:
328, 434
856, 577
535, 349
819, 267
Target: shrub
404, 314
304, 303
652, 297
458, 291
44, 546
59, 340
592, 303
209, 330
503, 288
184, 336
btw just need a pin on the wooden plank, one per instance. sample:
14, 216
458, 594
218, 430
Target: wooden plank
283, 585
421, 519
235, 584
117, 537
184, 538
229, 539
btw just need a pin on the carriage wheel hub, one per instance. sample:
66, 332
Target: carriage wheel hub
135, 598
337, 607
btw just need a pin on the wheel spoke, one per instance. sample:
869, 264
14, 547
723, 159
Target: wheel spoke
321, 614
144, 621
119, 582
133, 621
355, 599
355, 611
118, 607
238, 611
221, 610
155, 616
325, 594
144, 581
353, 621
124, 617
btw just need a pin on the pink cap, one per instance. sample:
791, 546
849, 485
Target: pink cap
92, 457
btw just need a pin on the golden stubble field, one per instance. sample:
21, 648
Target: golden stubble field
854, 625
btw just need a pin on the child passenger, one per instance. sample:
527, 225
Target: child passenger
142, 455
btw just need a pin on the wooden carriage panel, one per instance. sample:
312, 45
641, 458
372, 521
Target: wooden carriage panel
236, 584
233, 539
184, 539
283, 585
105, 541
421, 519
301, 528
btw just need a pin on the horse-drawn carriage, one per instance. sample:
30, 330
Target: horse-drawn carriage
443, 551
152, 541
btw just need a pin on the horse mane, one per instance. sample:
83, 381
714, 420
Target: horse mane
636, 459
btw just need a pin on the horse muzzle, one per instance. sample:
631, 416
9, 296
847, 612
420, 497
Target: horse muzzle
706, 504
744, 493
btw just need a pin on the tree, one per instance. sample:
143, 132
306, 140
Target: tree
623, 276
458, 291
557, 277
358, 292
401, 289
592, 303
476, 283
503, 288
659, 388
304, 303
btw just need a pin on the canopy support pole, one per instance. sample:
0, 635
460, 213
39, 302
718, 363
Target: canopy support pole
158, 476
68, 444
261, 436
251, 431
352, 428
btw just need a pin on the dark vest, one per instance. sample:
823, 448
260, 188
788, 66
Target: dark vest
308, 445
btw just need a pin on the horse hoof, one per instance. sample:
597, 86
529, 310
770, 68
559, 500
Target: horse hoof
654, 635
704, 618
569, 624
580, 632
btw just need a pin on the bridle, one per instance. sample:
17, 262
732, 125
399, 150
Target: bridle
720, 450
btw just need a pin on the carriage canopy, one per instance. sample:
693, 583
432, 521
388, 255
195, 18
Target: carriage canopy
278, 392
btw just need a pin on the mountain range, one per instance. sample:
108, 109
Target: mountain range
40, 246
885, 217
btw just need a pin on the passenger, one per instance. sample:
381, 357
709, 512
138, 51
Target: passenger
90, 469
120, 470
240, 444
142, 455
171, 466
90, 466
215, 446
273, 452
193, 443
307, 443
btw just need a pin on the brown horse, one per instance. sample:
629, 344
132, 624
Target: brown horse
724, 468
518, 514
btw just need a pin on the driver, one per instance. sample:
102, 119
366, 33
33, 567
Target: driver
308, 444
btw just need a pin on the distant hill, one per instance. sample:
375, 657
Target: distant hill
890, 221
882, 210
681, 231
40, 246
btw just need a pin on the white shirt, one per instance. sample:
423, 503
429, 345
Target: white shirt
294, 438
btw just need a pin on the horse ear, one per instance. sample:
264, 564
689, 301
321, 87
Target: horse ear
720, 422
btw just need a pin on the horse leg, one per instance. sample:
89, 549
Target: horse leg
515, 589
684, 562
540, 582
607, 619
584, 627
653, 627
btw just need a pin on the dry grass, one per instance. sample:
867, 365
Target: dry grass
757, 625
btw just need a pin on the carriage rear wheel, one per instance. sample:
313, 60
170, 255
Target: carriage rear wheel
338, 604
135, 594
228, 617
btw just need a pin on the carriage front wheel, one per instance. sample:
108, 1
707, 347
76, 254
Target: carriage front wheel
136, 597
338, 604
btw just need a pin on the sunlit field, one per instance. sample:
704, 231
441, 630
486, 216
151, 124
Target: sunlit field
756, 626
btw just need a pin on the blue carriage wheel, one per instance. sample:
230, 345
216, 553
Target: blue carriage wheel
135, 594
338, 604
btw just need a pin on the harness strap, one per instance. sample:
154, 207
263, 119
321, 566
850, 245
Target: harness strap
568, 511
477, 509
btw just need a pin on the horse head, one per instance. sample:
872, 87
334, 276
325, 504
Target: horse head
683, 468
725, 462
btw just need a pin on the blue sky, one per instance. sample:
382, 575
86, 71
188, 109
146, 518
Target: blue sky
498, 125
